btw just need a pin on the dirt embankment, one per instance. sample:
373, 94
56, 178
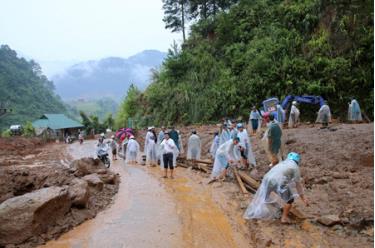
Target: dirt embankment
337, 167
40, 181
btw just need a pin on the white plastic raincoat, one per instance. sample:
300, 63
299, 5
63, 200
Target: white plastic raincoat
132, 151
277, 188
280, 114
293, 116
214, 146
194, 147
354, 111
224, 136
324, 114
225, 152
246, 143
150, 148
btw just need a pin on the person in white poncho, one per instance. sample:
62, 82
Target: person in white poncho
194, 147
245, 146
224, 134
354, 111
132, 151
280, 186
150, 147
227, 154
324, 115
215, 144
294, 115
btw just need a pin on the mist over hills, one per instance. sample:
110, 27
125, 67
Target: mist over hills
108, 77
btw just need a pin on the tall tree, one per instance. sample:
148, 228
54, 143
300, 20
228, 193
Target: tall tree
206, 8
175, 15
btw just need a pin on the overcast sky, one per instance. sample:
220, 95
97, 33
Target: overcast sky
77, 30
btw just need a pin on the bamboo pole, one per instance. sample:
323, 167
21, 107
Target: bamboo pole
240, 183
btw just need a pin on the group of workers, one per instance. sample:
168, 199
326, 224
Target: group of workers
231, 146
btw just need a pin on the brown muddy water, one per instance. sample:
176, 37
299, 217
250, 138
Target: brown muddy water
151, 212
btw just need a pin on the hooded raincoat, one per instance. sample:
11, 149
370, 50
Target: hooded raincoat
245, 143
277, 188
194, 147
150, 148
324, 114
354, 112
293, 116
225, 152
132, 151
215, 145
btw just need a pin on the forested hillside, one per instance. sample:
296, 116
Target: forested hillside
98, 107
25, 90
238, 53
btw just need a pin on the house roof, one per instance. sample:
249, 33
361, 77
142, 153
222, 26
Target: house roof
56, 121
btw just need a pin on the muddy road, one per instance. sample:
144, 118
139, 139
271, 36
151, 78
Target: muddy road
149, 211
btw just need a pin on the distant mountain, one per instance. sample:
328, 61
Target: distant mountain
108, 77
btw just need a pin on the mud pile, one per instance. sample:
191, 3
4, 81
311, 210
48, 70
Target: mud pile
337, 167
40, 201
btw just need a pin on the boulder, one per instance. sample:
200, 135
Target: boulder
79, 193
329, 220
108, 178
94, 181
86, 166
31, 214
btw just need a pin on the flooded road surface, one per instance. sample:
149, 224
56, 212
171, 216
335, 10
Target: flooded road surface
149, 211
143, 213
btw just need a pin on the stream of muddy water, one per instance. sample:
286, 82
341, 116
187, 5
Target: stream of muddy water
151, 212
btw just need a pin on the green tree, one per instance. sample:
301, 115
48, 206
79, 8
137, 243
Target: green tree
129, 106
28, 130
176, 15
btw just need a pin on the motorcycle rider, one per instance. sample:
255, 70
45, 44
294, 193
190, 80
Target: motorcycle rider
102, 150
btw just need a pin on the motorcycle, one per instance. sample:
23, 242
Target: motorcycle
102, 153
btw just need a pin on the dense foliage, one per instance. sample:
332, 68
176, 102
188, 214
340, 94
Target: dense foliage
264, 48
92, 125
25, 90
98, 107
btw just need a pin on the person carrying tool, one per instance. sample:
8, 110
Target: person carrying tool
280, 182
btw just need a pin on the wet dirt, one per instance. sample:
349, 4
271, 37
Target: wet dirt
205, 224
142, 213
337, 167
150, 211
41, 165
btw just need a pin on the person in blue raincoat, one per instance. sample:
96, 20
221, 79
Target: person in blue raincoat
354, 111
